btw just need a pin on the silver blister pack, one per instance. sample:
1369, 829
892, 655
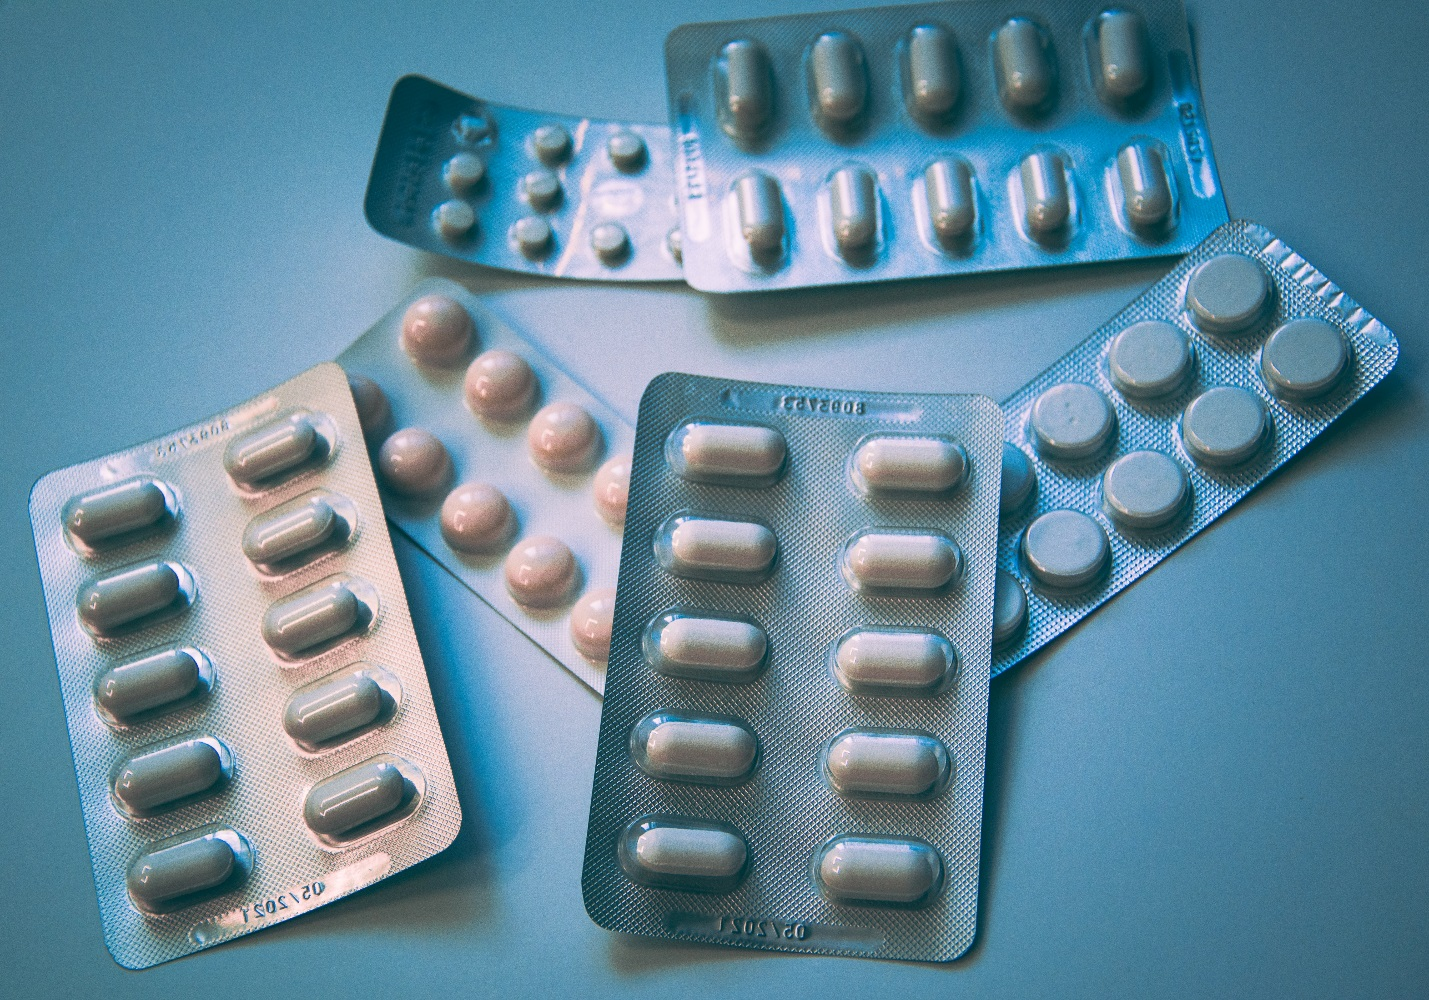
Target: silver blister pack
936, 138
252, 727
793, 736
499, 465
524, 190
1164, 418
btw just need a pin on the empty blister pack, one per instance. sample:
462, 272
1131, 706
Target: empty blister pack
936, 138
499, 465
792, 742
1164, 418
252, 727
524, 190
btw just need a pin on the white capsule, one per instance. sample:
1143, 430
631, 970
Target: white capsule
704, 648
1025, 75
748, 88
838, 78
271, 451
952, 203
868, 762
913, 464
1145, 188
205, 861
110, 513
739, 454
681, 853
934, 72
887, 660
154, 778
853, 208
901, 560
761, 213
693, 748
878, 870
130, 595
310, 618
710, 548
1047, 205
289, 531
1122, 60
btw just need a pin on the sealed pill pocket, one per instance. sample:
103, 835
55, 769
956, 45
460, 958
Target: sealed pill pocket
792, 740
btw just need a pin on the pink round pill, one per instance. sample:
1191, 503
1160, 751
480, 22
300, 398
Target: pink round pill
612, 490
499, 384
373, 410
563, 438
476, 517
414, 463
590, 623
541, 572
436, 330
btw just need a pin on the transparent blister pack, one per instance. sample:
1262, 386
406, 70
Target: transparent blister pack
499, 465
1164, 418
792, 742
524, 190
936, 138
252, 726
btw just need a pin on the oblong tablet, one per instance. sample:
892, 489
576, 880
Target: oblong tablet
715, 549
679, 853
913, 464
1145, 186
760, 208
748, 88
1065, 550
952, 203
878, 762
354, 797
1149, 359
157, 877
705, 647
106, 514
1018, 479
110, 602
1145, 489
1228, 293
1009, 608
1123, 64
286, 533
1025, 74
698, 748
1304, 359
154, 778
853, 207
150, 682
857, 869
735, 454
838, 78
271, 450
1072, 421
317, 714
893, 661
310, 618
935, 73
901, 560
1047, 205
1224, 426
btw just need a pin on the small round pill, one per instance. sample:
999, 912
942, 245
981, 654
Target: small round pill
902, 560
1072, 421
1145, 189
1303, 359
477, 518
914, 464
541, 571
563, 437
1047, 205
113, 511
878, 869
354, 797
463, 172
934, 72
542, 189
1025, 75
591, 619
853, 206
675, 243
374, 412
1123, 63
626, 150
1224, 426
110, 602
910, 660
436, 330
695, 748
952, 203
748, 87
707, 648
1018, 479
711, 452
1145, 489
156, 877
472, 129
1009, 608
414, 463
683, 854
533, 236
1149, 359
612, 490
610, 242
276, 448
693, 546
878, 763
499, 385
838, 77
454, 220
1228, 293
154, 778
552, 144
310, 618
1065, 549
147, 683
761, 213
342, 705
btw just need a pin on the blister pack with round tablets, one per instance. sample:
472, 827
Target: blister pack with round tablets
252, 726
1164, 418
795, 720
498, 465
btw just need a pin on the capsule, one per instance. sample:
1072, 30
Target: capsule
123, 597
1047, 205
289, 531
149, 682
1123, 64
205, 862
105, 514
271, 450
748, 454
1025, 76
693, 748
857, 869
952, 204
681, 853
906, 661
761, 213
309, 618
693, 546
913, 464
721, 649
867, 762
838, 77
354, 797
315, 715
154, 778
934, 72
1145, 191
748, 87
853, 206
901, 560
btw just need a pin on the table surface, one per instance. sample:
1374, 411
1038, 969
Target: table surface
1214, 786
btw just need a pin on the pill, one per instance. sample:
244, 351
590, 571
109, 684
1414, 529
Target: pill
472, 129
542, 189
761, 212
374, 412
154, 778
1024, 65
477, 518
708, 648
1018, 479
1065, 549
1123, 63
317, 714
879, 869
748, 87
111, 511
499, 384
147, 683
1009, 608
1046, 204
541, 572
1072, 421
271, 450
463, 172
838, 77
591, 619
853, 206
611, 489
552, 144
683, 854
1145, 189
934, 72
905, 659
675, 243
309, 618
532, 236
110, 602
917, 464
354, 797
670, 746
610, 242
952, 205
902, 560
1304, 359
436, 330
626, 150
454, 220
714, 451
876, 763
1224, 426
1145, 489
1149, 359
414, 463
273, 537
1228, 293
205, 862
704, 546
563, 437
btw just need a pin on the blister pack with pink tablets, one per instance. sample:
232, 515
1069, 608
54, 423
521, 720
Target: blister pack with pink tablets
499, 465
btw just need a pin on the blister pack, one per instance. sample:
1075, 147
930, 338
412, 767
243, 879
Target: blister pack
936, 138
524, 190
252, 727
1164, 418
499, 465
792, 742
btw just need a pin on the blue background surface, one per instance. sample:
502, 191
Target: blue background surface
1219, 785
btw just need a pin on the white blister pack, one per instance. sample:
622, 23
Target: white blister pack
1163, 419
499, 465
252, 726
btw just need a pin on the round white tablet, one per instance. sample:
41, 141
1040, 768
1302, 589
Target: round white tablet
610, 242
1304, 359
626, 151
1227, 293
532, 236
542, 189
463, 172
1018, 479
1072, 421
1065, 549
552, 144
1145, 489
453, 220
1149, 359
1224, 426
1009, 608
